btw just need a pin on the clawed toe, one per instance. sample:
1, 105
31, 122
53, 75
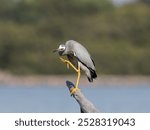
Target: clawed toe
65, 61
73, 90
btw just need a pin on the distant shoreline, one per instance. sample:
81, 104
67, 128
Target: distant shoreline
59, 80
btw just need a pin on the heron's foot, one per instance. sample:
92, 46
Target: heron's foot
65, 61
73, 90
69, 64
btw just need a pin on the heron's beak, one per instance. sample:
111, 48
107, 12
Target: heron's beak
56, 50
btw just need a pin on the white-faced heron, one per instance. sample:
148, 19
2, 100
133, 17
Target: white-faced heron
79, 58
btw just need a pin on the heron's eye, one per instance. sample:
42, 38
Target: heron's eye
61, 48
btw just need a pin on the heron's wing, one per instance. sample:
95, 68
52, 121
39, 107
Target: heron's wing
83, 56
80, 52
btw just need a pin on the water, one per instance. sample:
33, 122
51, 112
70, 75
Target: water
51, 99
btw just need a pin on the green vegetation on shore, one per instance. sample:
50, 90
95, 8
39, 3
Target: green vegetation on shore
118, 38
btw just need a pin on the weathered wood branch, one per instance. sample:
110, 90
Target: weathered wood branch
85, 105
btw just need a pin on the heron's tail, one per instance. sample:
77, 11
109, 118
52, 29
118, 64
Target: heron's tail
92, 76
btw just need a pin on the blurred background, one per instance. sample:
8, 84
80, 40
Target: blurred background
116, 33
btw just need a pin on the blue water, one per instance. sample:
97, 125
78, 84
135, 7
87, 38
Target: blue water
51, 99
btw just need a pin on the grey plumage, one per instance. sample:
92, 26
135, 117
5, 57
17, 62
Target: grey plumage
77, 53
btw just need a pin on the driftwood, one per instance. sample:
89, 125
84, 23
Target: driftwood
85, 105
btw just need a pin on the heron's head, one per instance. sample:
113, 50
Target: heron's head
60, 49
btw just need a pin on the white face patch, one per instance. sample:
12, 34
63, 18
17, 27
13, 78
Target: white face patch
62, 47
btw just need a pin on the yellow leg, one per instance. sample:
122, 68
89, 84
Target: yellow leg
77, 70
77, 82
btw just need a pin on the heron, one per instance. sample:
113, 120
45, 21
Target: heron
79, 59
